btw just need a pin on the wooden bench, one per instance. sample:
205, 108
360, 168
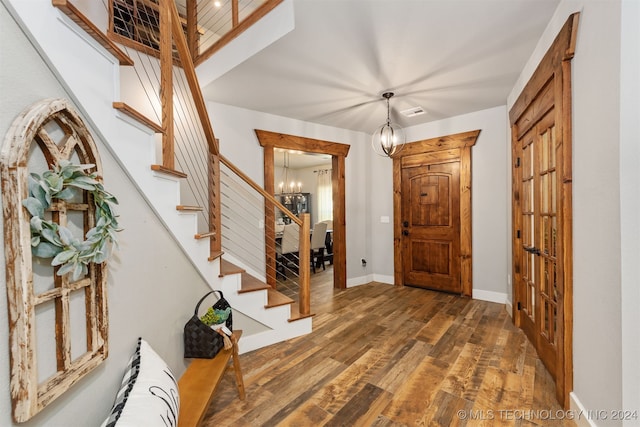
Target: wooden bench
199, 382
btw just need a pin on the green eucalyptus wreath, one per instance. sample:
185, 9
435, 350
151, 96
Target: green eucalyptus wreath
51, 240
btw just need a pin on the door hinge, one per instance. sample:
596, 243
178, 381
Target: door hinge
517, 234
519, 306
517, 162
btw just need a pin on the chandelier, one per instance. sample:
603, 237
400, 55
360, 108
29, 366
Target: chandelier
388, 139
287, 186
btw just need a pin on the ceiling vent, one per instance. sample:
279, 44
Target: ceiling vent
412, 112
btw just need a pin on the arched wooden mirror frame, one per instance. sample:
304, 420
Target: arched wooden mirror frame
271, 140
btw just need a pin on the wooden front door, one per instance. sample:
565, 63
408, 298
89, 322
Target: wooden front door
432, 213
431, 222
542, 213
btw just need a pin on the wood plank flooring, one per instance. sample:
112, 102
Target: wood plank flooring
386, 356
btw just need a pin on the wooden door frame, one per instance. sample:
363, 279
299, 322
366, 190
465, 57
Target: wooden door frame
462, 142
272, 140
556, 63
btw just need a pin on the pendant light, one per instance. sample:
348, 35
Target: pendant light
286, 186
388, 139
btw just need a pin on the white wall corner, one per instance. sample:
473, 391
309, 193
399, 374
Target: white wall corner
508, 306
360, 280
383, 278
580, 414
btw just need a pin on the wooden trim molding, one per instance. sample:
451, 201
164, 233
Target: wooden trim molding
524, 115
292, 142
29, 136
271, 140
455, 146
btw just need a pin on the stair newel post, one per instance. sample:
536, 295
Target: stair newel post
305, 260
166, 84
269, 221
215, 221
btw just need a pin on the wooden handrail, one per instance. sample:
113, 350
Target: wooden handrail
260, 190
238, 29
304, 250
192, 79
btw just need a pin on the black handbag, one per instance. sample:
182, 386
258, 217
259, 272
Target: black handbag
200, 340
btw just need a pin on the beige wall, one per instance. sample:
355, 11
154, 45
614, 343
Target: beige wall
152, 287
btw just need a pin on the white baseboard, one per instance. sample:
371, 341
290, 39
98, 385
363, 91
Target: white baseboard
499, 297
357, 281
363, 280
381, 278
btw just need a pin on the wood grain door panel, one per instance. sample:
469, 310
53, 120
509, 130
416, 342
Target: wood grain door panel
431, 225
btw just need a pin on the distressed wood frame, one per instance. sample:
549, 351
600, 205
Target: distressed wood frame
461, 142
28, 396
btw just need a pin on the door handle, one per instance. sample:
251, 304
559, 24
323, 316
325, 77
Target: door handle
405, 232
532, 250
405, 223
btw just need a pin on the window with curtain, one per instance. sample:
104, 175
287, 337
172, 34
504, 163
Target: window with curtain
324, 195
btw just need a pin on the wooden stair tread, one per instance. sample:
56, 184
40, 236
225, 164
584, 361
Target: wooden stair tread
168, 171
89, 27
184, 208
135, 114
295, 314
276, 299
199, 236
227, 268
215, 255
251, 284
248, 282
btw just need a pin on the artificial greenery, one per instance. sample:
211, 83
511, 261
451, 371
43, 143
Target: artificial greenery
215, 316
51, 240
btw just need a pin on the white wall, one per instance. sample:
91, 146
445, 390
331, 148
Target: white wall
152, 287
597, 347
630, 202
235, 129
490, 200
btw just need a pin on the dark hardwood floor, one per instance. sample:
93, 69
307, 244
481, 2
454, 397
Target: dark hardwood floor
386, 356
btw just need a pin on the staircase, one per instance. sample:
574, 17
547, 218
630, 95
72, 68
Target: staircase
89, 66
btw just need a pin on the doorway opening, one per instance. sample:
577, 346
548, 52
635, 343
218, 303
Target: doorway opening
271, 142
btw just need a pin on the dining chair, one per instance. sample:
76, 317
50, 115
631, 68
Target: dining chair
318, 236
328, 242
288, 249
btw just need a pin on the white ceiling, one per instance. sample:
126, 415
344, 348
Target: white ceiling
449, 57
